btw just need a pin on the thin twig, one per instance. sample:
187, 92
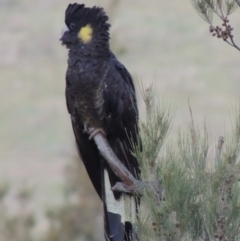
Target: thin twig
193, 130
233, 43
219, 150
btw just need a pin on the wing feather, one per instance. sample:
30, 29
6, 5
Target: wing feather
121, 114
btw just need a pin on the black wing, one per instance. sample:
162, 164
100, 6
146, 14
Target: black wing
121, 114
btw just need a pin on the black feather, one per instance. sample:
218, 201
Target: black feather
95, 15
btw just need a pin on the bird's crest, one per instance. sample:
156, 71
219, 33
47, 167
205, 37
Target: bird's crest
91, 20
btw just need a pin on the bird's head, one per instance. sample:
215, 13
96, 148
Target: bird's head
85, 26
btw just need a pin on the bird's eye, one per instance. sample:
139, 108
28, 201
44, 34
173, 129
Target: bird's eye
72, 26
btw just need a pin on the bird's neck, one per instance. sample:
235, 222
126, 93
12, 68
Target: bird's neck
94, 50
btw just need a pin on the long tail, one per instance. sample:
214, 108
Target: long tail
119, 213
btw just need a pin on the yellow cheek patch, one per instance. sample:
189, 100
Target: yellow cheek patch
85, 34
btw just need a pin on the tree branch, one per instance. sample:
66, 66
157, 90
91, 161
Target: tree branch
129, 183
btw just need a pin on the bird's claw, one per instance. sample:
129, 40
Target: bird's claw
94, 132
135, 189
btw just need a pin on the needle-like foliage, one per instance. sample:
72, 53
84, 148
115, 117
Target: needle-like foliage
206, 8
222, 8
187, 198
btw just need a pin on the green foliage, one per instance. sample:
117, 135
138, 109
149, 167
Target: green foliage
190, 197
206, 8
221, 8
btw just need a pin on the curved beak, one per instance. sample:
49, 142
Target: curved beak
67, 37
64, 30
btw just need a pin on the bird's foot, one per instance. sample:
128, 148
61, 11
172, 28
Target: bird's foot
136, 189
94, 131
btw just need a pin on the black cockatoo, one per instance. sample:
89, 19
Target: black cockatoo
100, 94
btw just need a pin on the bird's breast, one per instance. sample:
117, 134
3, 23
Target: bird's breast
88, 94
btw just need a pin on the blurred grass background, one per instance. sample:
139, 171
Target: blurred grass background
157, 40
